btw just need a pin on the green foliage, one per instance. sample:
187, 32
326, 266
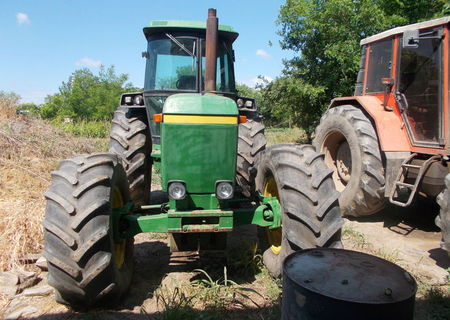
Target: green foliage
326, 34
290, 101
82, 128
244, 90
31, 108
412, 11
87, 96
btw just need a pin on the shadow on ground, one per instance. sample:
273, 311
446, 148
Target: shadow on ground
419, 216
264, 313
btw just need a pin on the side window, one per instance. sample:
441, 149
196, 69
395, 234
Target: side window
380, 59
224, 68
419, 79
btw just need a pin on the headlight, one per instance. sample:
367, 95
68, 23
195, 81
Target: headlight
224, 190
138, 100
240, 103
177, 190
128, 100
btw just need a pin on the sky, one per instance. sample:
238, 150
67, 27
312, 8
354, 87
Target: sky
43, 42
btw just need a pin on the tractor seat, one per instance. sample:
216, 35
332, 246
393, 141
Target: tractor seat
186, 83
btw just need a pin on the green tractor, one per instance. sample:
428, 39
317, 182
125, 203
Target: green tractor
209, 146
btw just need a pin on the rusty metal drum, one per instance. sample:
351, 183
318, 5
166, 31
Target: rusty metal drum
325, 283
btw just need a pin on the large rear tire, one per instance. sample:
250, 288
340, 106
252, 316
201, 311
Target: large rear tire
251, 144
350, 144
130, 140
443, 219
86, 266
299, 178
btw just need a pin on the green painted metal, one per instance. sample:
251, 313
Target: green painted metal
198, 154
156, 151
267, 214
200, 104
204, 201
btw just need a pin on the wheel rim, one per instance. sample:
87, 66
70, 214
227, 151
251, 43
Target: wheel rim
344, 162
273, 236
338, 157
118, 247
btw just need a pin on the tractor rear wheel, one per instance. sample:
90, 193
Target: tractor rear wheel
443, 219
130, 140
86, 266
299, 178
251, 144
350, 144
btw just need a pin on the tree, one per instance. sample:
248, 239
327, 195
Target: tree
244, 90
30, 108
326, 34
87, 96
412, 11
289, 101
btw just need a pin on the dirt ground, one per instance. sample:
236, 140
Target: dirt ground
406, 237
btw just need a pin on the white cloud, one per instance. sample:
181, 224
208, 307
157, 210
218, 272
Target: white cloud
88, 62
257, 80
22, 18
263, 54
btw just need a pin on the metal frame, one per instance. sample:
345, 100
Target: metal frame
129, 221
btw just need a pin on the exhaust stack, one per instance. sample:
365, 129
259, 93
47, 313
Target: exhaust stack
211, 50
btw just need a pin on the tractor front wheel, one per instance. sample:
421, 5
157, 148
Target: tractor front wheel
86, 265
299, 178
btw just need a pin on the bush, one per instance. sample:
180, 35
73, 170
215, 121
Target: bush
83, 128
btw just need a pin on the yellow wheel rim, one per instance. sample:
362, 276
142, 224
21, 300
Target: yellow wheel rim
273, 236
119, 247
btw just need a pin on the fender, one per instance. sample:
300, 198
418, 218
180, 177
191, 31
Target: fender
390, 128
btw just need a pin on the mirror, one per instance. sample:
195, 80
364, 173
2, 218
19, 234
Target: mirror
411, 39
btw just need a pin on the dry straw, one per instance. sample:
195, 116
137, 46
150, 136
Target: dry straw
29, 150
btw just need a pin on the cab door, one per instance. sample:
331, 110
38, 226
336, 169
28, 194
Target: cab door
419, 87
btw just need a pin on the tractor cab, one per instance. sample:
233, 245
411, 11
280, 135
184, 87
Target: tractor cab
409, 65
176, 63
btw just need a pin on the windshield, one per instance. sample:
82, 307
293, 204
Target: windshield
171, 64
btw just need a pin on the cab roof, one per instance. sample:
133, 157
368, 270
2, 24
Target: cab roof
160, 26
399, 30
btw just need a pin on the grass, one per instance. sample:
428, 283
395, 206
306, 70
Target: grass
203, 298
82, 128
285, 135
358, 239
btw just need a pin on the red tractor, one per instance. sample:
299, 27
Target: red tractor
391, 140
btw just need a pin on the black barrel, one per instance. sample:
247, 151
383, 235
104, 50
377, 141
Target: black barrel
324, 283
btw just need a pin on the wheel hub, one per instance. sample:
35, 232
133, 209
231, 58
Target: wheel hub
273, 236
344, 162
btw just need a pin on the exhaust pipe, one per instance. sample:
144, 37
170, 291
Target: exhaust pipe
211, 50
